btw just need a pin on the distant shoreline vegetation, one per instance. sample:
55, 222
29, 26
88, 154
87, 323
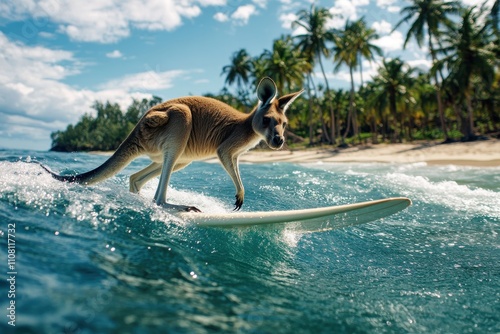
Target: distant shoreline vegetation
458, 98
105, 131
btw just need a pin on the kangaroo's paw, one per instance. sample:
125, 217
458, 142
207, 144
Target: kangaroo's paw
238, 204
133, 189
175, 207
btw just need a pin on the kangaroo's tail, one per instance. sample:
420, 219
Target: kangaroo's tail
127, 151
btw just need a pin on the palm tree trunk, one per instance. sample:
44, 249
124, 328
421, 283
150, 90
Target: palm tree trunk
374, 130
438, 92
360, 70
410, 127
470, 117
392, 106
332, 115
322, 118
350, 114
311, 134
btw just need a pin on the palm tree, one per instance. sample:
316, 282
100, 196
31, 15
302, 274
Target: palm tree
375, 106
494, 16
426, 93
259, 66
314, 41
470, 53
350, 46
494, 22
363, 40
393, 80
430, 14
285, 65
309, 58
346, 53
239, 70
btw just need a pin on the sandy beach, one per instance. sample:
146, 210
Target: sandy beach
484, 153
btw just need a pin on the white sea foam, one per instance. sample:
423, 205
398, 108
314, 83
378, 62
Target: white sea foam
202, 201
447, 193
27, 184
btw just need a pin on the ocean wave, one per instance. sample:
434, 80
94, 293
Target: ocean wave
461, 198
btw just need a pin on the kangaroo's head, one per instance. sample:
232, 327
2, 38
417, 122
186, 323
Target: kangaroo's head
269, 120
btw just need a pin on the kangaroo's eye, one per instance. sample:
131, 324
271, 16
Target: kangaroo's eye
266, 121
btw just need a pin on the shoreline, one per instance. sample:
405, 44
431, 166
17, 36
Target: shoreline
475, 154
481, 153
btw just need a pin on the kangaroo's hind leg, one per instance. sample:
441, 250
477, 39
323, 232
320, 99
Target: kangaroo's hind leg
177, 132
137, 180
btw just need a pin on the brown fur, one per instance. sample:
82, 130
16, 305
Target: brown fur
179, 131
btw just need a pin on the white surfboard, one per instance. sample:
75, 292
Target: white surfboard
310, 220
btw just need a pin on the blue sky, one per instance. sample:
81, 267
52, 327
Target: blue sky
58, 56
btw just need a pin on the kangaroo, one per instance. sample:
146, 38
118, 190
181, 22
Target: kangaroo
182, 130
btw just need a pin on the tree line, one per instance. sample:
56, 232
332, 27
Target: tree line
458, 98
103, 132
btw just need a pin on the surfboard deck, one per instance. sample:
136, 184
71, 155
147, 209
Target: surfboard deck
311, 220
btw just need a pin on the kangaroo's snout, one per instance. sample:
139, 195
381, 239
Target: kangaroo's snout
278, 140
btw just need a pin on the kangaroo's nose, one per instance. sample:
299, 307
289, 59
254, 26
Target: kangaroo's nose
278, 140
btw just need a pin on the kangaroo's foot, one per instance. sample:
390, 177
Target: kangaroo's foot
239, 202
175, 207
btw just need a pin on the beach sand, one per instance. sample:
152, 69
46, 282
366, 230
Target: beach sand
484, 153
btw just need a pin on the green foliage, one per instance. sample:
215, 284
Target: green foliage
105, 131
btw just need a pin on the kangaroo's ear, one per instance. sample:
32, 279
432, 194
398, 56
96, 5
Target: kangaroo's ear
285, 101
266, 91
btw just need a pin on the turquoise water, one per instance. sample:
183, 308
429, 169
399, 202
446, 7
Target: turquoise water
102, 260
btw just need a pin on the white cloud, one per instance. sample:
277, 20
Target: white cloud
206, 3
221, 17
392, 42
344, 10
105, 21
287, 20
114, 54
389, 5
385, 3
144, 81
34, 101
358, 3
382, 27
242, 14
422, 64
468, 3
393, 9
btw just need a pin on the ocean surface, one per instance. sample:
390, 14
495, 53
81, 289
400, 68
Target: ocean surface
98, 259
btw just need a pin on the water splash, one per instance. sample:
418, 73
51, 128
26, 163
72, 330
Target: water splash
461, 198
